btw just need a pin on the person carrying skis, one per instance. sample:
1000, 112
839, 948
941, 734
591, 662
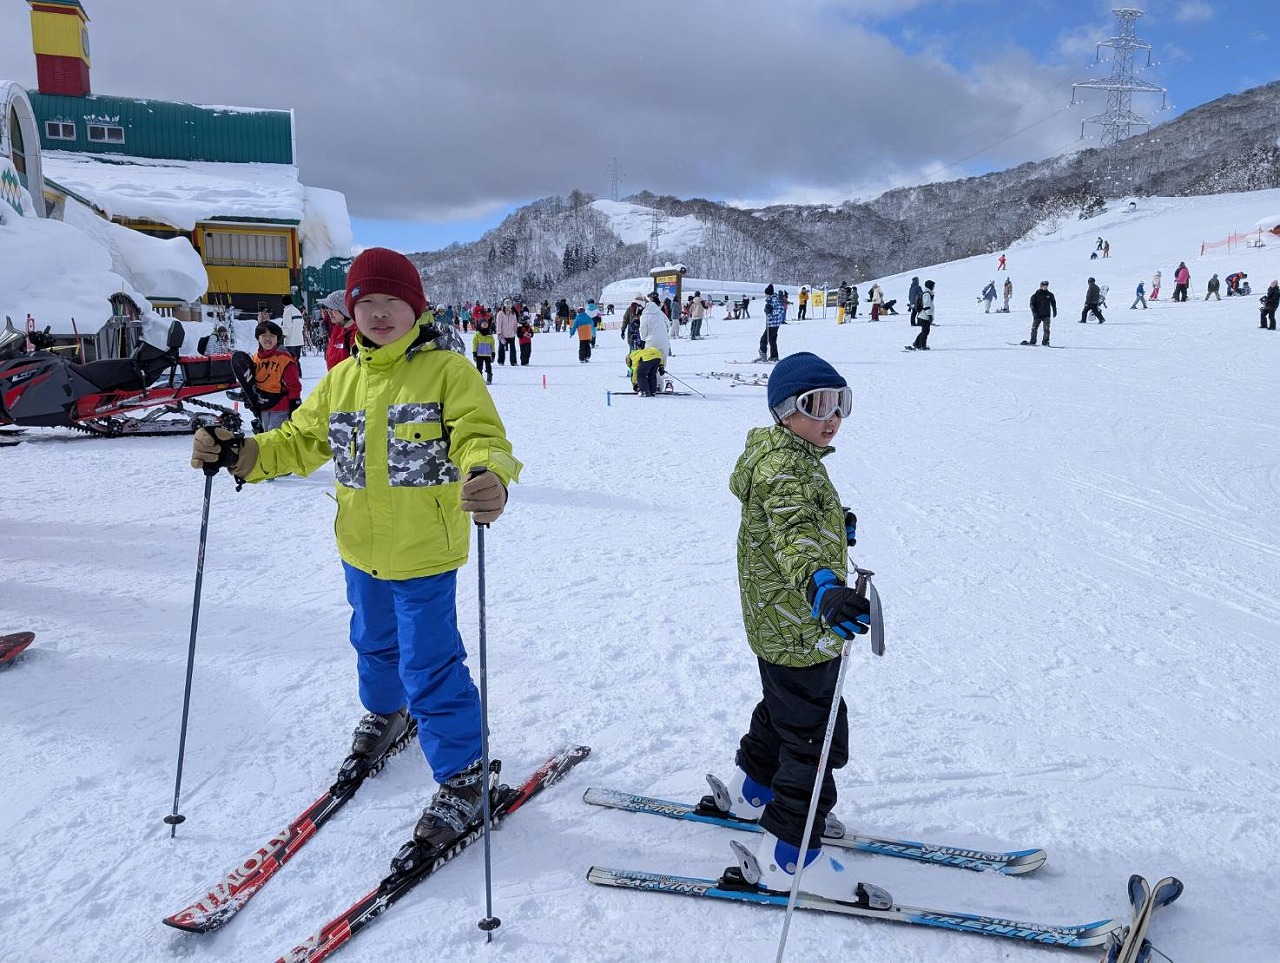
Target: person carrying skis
793, 538
1043, 307
1092, 298
417, 444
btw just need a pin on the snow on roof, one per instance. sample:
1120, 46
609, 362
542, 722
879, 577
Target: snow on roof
179, 193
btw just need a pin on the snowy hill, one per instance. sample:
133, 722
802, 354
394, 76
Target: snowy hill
1076, 550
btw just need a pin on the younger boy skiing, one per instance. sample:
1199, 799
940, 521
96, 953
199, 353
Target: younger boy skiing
792, 566
416, 443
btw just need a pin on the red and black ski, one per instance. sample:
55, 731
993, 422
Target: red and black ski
229, 895
411, 866
13, 645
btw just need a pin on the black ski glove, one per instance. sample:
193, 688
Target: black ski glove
844, 610
850, 528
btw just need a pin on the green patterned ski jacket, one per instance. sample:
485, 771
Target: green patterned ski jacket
792, 526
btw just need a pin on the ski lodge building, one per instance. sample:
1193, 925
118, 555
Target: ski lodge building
224, 178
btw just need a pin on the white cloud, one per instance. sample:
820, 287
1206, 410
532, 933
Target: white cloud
1193, 11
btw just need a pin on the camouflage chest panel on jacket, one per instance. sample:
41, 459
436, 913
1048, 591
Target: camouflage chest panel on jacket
792, 525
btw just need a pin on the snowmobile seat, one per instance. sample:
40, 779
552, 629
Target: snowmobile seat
137, 371
207, 370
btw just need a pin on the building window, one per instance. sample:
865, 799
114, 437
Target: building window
246, 250
59, 130
106, 134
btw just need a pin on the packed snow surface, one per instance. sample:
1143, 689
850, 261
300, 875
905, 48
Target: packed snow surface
1077, 551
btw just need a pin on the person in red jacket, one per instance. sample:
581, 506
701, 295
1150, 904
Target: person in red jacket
275, 372
341, 328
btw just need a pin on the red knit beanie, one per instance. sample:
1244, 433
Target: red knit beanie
378, 270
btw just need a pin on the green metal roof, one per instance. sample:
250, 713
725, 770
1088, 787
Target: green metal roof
168, 130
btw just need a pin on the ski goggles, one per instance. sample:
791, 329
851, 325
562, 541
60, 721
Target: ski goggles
820, 403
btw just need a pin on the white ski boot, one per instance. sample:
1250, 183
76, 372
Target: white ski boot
745, 798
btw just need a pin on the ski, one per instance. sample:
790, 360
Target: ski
229, 895
872, 903
411, 866
1009, 863
13, 645
1132, 946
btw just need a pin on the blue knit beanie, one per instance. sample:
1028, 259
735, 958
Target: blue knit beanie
797, 373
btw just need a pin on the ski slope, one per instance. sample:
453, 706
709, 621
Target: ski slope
1077, 551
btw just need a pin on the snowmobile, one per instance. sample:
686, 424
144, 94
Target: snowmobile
41, 388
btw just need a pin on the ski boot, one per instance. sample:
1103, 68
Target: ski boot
773, 866
744, 798
456, 806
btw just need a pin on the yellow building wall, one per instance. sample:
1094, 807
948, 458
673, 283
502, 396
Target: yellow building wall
58, 34
245, 280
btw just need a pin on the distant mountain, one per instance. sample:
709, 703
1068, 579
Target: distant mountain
573, 246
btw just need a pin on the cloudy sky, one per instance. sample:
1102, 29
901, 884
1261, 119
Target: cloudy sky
437, 118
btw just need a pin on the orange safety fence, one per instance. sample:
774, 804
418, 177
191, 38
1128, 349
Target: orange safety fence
1253, 238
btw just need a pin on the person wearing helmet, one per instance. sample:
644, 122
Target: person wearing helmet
342, 330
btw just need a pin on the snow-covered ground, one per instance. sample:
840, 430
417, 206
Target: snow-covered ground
1077, 552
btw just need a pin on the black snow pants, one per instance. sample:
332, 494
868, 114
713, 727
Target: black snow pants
782, 747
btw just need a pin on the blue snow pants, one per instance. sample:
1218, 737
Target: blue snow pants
408, 649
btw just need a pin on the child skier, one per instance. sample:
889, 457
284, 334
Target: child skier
645, 364
275, 372
524, 337
416, 443
584, 328
792, 566
483, 346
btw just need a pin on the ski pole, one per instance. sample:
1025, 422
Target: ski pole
490, 922
686, 384
861, 587
174, 818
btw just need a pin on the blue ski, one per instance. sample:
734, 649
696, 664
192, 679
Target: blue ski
872, 903
1010, 863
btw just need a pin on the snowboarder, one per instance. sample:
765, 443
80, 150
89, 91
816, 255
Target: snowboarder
1139, 298
1000, 265
1211, 289
924, 319
403, 492
1270, 301
1043, 307
1106, 249
1092, 298
793, 542
913, 298
1008, 293
988, 295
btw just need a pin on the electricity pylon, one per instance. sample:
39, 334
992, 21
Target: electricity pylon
1119, 119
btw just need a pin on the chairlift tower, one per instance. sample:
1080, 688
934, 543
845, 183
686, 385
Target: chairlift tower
614, 173
1118, 120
